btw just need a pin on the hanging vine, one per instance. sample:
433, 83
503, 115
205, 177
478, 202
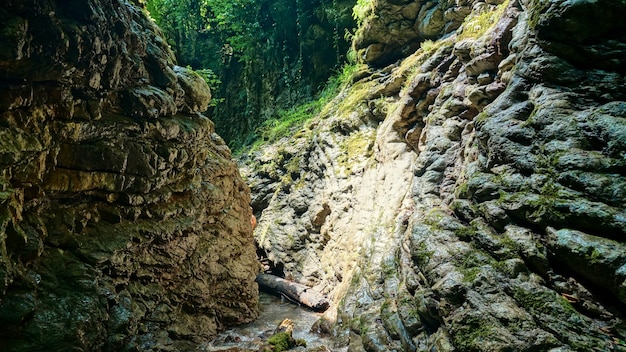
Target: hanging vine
299, 63
336, 21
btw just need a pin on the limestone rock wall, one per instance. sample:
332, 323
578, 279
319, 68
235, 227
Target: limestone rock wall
468, 197
124, 223
395, 29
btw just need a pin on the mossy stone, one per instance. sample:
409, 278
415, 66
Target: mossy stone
281, 341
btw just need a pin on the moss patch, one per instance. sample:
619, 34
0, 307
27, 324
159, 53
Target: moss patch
474, 333
466, 233
357, 147
347, 102
421, 255
476, 25
281, 341
538, 8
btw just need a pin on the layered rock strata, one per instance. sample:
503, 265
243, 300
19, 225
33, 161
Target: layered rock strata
124, 223
469, 196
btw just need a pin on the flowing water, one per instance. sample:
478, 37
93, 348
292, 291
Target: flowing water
272, 311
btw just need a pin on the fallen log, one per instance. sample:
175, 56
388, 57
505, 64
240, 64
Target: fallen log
294, 291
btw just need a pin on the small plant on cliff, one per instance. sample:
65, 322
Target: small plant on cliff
212, 81
476, 25
427, 45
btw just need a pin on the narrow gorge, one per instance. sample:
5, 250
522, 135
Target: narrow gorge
462, 188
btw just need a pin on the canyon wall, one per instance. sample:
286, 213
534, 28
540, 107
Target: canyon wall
124, 223
466, 190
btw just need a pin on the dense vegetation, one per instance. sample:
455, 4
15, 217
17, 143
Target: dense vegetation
203, 32
260, 57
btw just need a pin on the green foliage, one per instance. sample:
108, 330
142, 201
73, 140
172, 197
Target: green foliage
240, 29
362, 9
237, 21
280, 341
283, 341
263, 52
183, 21
214, 84
287, 122
339, 80
428, 45
476, 25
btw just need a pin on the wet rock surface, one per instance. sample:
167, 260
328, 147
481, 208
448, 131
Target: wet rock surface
468, 197
124, 223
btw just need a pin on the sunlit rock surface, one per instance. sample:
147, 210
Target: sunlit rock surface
124, 223
469, 196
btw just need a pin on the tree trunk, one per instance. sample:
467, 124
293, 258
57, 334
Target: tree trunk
297, 292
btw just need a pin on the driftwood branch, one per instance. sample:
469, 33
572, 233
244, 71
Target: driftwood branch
294, 291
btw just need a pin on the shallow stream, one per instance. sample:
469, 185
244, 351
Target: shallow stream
272, 311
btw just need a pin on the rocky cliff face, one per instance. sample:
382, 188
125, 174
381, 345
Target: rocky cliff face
469, 196
124, 223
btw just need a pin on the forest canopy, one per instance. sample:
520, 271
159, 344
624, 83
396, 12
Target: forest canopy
186, 22
258, 56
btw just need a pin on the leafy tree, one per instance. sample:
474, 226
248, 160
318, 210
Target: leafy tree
232, 25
